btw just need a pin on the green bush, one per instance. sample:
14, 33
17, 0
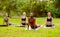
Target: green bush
40, 8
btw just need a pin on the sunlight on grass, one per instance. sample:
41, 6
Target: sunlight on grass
12, 31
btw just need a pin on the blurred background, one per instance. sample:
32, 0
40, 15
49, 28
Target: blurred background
39, 7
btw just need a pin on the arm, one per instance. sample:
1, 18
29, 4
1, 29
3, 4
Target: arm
34, 22
28, 23
8, 20
52, 21
46, 20
26, 20
7, 23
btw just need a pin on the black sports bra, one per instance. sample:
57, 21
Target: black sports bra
5, 19
23, 19
49, 19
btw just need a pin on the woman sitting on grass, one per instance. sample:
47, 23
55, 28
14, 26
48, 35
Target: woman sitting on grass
6, 19
32, 21
23, 19
49, 20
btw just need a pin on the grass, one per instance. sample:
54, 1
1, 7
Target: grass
12, 31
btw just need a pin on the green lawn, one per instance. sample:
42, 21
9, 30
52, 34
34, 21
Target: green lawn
12, 31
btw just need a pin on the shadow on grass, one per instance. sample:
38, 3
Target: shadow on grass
3, 25
20, 26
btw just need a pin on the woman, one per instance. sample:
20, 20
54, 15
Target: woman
49, 20
6, 19
31, 22
23, 19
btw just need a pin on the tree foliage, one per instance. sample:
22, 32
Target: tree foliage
40, 8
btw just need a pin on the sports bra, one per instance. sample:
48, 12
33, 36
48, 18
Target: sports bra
49, 19
6, 19
23, 19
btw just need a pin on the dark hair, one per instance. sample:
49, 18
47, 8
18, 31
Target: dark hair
31, 16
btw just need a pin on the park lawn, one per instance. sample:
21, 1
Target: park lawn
12, 31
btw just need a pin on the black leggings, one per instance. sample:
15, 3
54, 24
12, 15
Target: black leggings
49, 25
23, 23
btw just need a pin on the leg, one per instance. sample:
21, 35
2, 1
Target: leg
49, 24
7, 23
